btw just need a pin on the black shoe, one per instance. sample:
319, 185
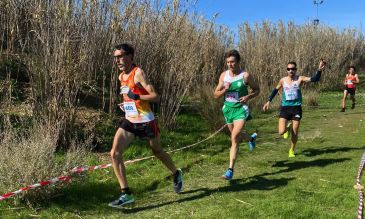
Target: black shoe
342, 110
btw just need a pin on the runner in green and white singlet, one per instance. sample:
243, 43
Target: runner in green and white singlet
233, 85
233, 109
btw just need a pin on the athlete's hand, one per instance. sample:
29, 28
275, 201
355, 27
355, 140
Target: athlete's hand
121, 106
245, 99
226, 85
322, 65
126, 90
266, 106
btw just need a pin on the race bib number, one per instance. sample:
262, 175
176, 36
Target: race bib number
291, 94
232, 97
124, 89
349, 82
130, 109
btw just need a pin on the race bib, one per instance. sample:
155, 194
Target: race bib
349, 82
232, 97
291, 94
124, 89
130, 109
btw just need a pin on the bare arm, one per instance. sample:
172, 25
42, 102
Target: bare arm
357, 79
141, 78
253, 85
220, 89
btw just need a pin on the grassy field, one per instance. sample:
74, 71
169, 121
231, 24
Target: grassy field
317, 183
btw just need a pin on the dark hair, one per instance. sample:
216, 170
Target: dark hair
292, 63
351, 66
233, 53
127, 48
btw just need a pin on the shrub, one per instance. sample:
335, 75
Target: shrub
29, 156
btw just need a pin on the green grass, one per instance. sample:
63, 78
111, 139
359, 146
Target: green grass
315, 184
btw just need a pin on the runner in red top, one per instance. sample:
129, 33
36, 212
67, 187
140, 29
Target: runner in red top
350, 82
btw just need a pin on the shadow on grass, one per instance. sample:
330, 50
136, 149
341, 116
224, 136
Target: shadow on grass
314, 152
237, 185
292, 166
96, 194
91, 194
258, 182
353, 113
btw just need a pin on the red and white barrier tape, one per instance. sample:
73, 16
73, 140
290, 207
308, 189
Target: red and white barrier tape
78, 170
42, 183
360, 188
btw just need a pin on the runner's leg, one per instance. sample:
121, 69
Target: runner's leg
161, 154
343, 102
121, 141
294, 132
236, 131
282, 126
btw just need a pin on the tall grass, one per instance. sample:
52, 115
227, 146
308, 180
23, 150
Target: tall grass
66, 46
267, 48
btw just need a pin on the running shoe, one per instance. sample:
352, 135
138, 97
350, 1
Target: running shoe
286, 134
178, 182
291, 153
228, 175
123, 200
342, 110
252, 142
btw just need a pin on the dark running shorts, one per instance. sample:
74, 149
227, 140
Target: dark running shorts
143, 130
291, 112
351, 91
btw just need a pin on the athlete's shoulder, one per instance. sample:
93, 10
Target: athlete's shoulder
223, 74
246, 75
139, 73
120, 77
139, 70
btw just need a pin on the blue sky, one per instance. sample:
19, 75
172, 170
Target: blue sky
334, 13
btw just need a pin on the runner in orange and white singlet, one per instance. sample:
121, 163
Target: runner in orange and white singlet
137, 93
350, 82
137, 111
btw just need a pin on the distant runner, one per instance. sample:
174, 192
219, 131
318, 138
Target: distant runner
350, 82
291, 103
233, 84
139, 121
